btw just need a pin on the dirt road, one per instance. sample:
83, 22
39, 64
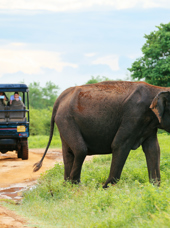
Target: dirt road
14, 170
16, 174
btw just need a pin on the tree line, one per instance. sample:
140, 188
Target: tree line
41, 101
153, 67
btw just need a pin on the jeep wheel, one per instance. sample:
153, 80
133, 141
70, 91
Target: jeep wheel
24, 149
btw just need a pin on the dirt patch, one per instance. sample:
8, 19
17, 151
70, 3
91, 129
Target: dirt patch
14, 170
9, 219
16, 175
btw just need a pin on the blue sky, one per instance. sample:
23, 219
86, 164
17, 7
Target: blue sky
67, 42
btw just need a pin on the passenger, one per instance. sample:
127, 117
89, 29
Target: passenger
15, 97
3, 98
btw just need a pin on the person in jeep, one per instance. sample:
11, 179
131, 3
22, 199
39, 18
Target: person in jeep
3, 98
15, 97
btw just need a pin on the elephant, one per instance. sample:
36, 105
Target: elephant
111, 117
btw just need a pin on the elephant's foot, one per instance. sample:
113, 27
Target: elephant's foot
155, 182
76, 181
111, 181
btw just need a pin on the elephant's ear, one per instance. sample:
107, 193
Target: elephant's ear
158, 104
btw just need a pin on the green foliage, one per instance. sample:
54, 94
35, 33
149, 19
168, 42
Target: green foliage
97, 79
154, 66
42, 100
40, 120
40, 141
133, 202
42, 97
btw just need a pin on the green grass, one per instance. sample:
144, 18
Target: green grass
133, 202
40, 141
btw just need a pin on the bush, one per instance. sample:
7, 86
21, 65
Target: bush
40, 120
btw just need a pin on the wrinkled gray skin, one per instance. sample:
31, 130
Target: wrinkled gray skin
110, 117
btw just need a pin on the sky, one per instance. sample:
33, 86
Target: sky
69, 41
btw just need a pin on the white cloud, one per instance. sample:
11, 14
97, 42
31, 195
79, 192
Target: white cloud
135, 55
111, 60
15, 57
90, 54
68, 5
156, 4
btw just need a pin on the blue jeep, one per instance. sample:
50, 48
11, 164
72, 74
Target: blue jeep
14, 119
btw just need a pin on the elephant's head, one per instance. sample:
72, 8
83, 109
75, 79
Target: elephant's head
161, 107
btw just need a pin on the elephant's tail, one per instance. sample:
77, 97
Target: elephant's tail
38, 165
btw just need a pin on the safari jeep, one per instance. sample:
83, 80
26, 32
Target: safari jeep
14, 119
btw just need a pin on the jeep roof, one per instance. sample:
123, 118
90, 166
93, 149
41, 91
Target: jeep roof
13, 88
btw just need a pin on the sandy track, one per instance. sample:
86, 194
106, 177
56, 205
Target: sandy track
17, 172
9, 219
14, 171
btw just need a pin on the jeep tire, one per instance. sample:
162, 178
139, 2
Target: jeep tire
24, 149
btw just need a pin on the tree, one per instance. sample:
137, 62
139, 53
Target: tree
35, 94
42, 97
49, 94
97, 79
154, 65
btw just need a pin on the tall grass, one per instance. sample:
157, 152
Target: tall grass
132, 202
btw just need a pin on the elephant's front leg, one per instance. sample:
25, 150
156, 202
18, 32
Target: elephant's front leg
152, 152
121, 146
119, 156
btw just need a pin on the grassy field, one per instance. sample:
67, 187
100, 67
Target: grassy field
133, 202
40, 141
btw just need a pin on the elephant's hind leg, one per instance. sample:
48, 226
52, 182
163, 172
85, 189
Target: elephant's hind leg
80, 151
74, 151
68, 159
79, 157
